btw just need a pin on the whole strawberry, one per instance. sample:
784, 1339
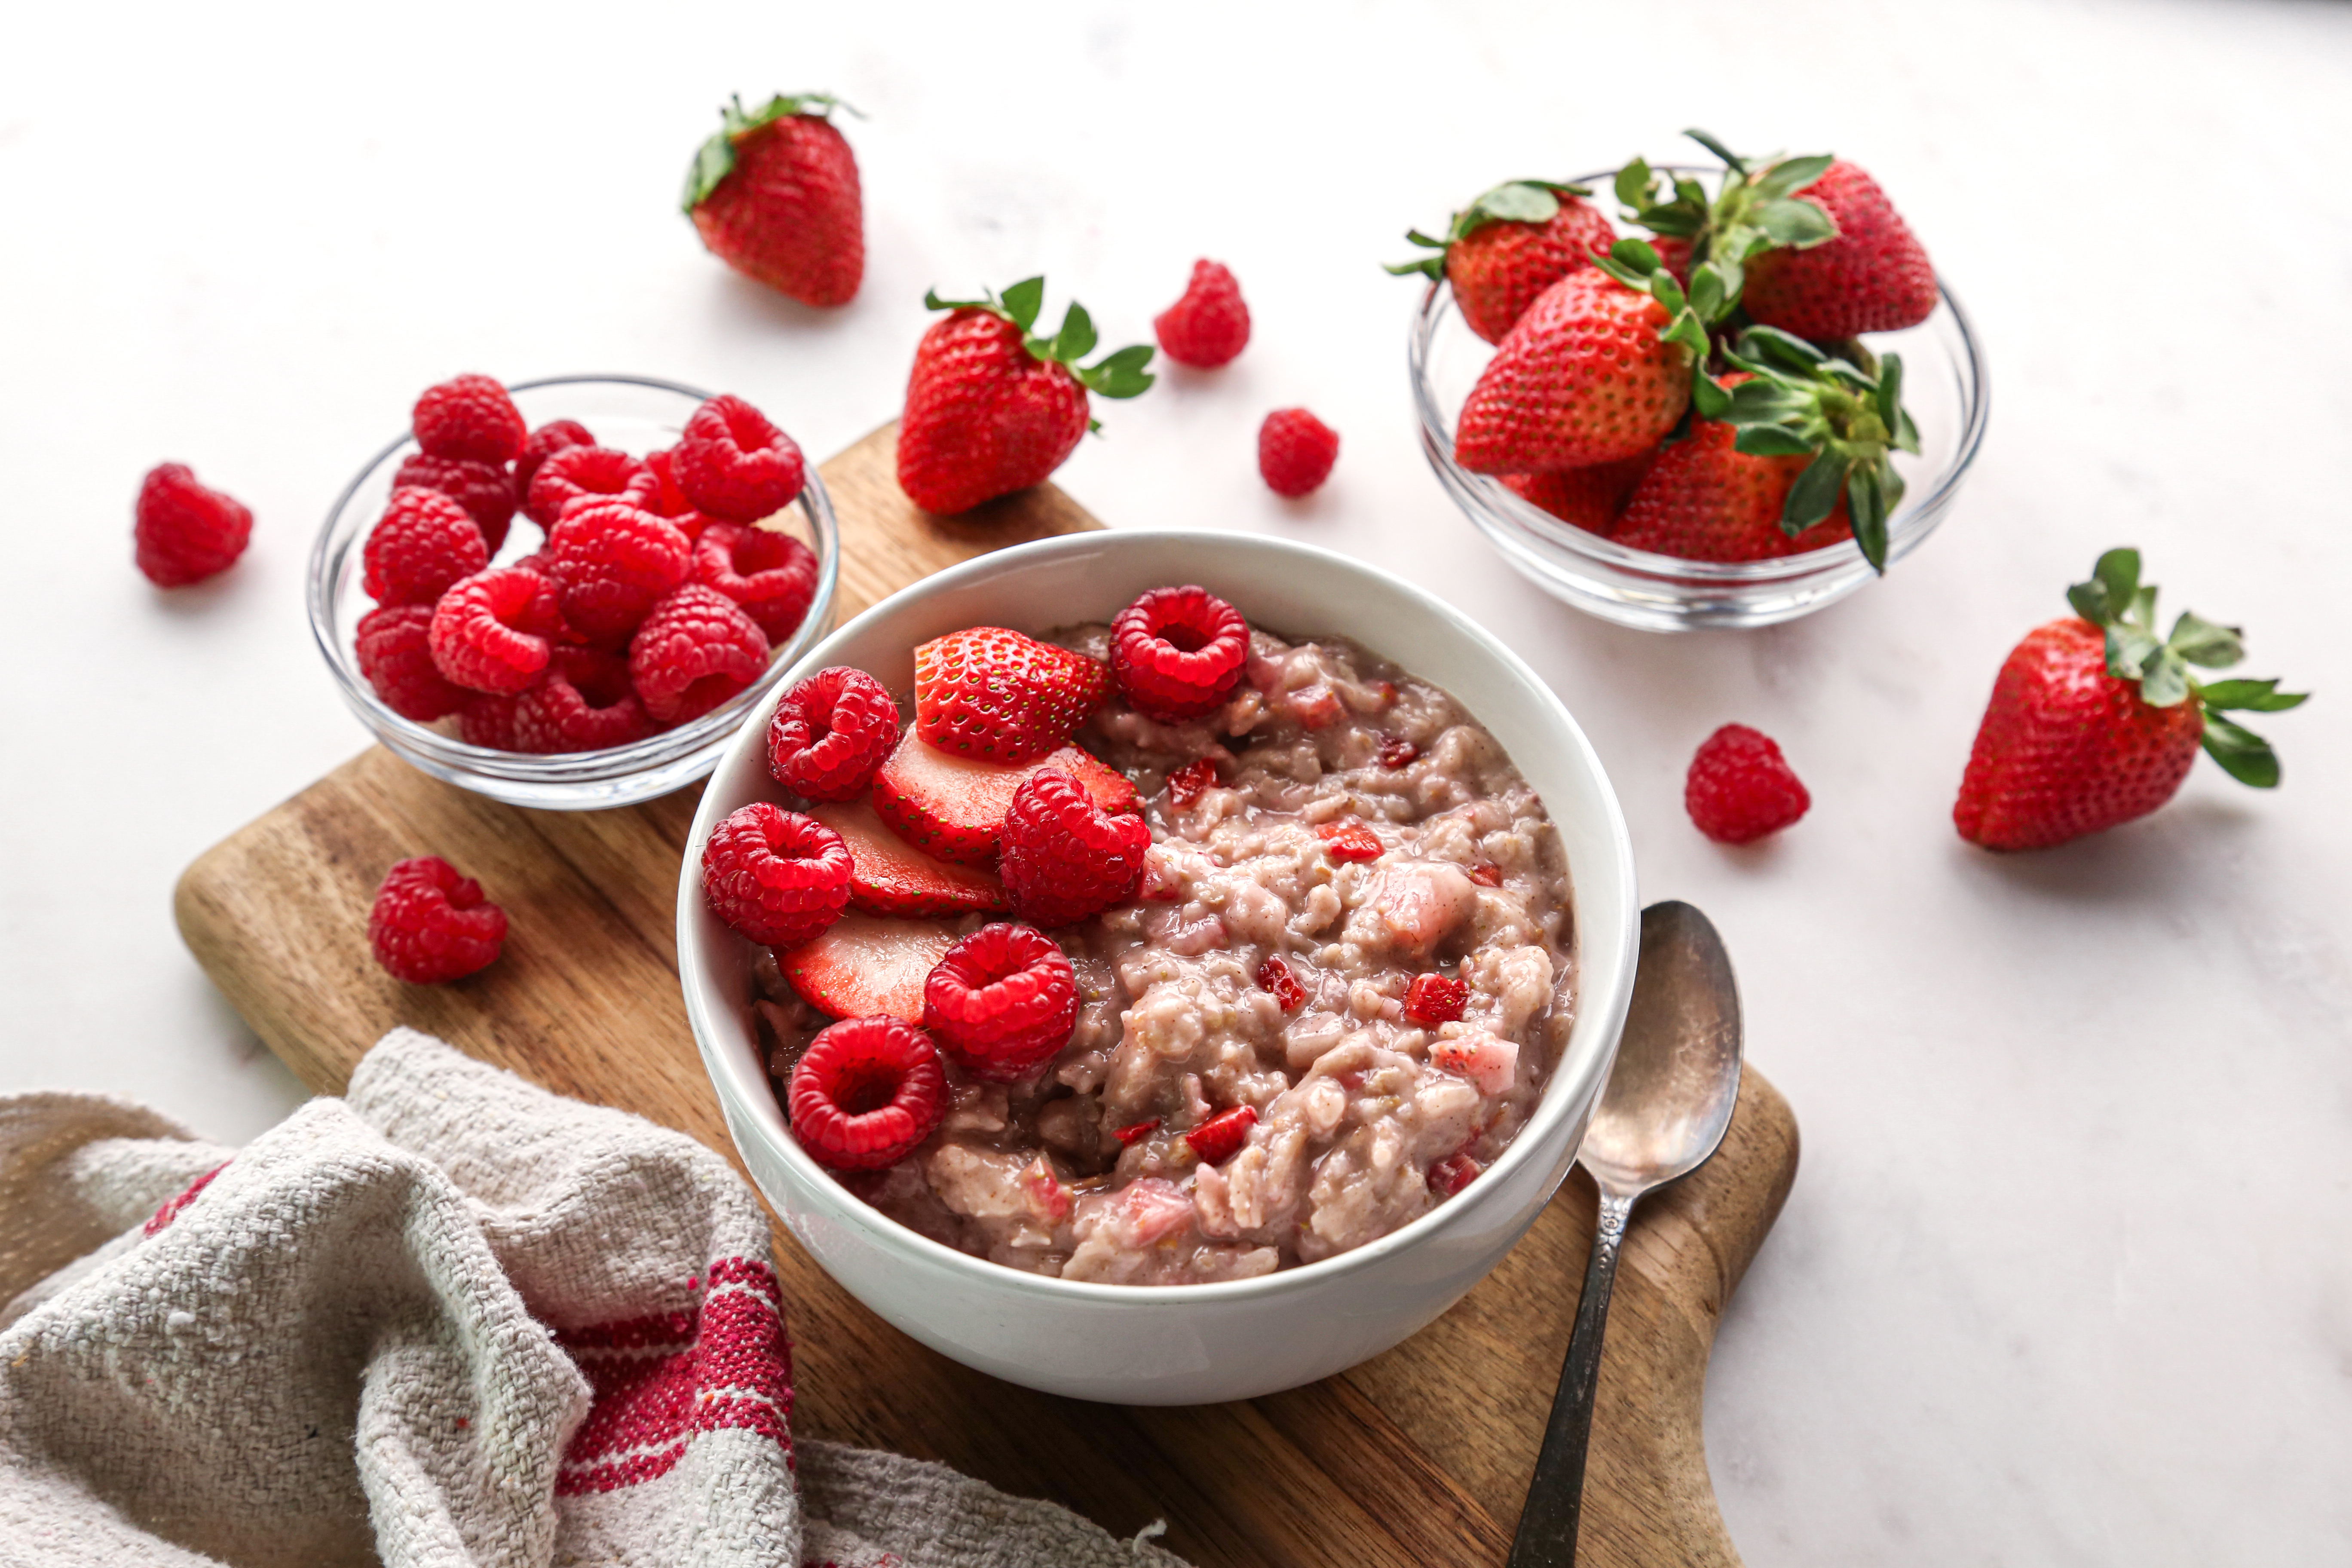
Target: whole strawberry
1510, 245
775, 195
1875, 277
1586, 376
1702, 498
2094, 722
992, 407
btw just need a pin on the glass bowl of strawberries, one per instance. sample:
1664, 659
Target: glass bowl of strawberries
519, 596
1803, 462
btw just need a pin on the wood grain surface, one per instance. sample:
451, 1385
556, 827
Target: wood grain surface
1419, 1456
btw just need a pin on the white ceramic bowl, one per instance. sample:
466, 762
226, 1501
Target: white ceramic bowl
1193, 1343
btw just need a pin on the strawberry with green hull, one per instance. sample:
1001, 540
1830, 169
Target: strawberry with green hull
992, 408
775, 195
1875, 277
1589, 375
1705, 499
1508, 246
2095, 720
1753, 211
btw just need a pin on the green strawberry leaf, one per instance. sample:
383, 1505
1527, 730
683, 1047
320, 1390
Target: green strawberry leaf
1630, 277
2143, 607
2243, 756
1867, 506
2165, 683
1890, 392
1770, 343
2200, 642
1430, 267
1768, 440
1814, 495
1731, 160
713, 161
1119, 374
1792, 225
2115, 579
1708, 295
2129, 649
1634, 182
1669, 293
1521, 201
1076, 338
2252, 696
1790, 176
1636, 256
1707, 394
1765, 402
1023, 300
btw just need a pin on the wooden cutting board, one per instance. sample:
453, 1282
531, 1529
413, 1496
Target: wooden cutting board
1420, 1457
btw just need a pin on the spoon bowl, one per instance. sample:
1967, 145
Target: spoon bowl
1662, 1114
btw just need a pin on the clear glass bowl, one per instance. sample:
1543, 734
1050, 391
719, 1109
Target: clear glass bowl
637, 415
1943, 386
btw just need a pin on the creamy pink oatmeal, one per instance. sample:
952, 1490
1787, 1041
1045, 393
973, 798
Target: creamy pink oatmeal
1433, 858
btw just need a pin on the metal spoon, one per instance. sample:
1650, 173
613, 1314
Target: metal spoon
1667, 1101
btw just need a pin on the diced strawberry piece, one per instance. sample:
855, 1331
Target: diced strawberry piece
1346, 838
1044, 1192
1274, 977
1453, 1173
1486, 874
1149, 1210
1488, 1061
1189, 783
953, 808
1433, 999
1221, 1137
890, 876
1134, 1130
865, 965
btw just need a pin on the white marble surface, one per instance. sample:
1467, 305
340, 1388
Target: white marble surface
2064, 1278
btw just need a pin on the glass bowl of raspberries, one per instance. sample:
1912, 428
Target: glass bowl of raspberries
1843, 401
567, 593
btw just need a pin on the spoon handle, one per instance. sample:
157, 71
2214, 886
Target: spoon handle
1547, 1532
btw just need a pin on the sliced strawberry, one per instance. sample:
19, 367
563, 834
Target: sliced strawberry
890, 877
955, 806
866, 965
997, 696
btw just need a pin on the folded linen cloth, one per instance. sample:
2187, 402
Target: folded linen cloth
447, 1320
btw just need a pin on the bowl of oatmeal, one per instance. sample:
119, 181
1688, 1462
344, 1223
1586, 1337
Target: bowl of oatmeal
1396, 809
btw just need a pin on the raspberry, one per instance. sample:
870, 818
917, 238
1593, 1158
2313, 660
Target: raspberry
1001, 1002
1349, 839
585, 704
695, 650
865, 1093
775, 875
610, 563
421, 544
1741, 788
1432, 999
1209, 324
391, 646
487, 721
1187, 783
469, 417
1221, 1137
546, 441
1451, 1174
1177, 653
1295, 451
485, 490
773, 575
181, 532
1396, 752
1062, 859
670, 501
1274, 977
578, 473
735, 465
490, 630
430, 924
831, 733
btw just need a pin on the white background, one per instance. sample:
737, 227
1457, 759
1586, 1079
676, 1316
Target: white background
2064, 1277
